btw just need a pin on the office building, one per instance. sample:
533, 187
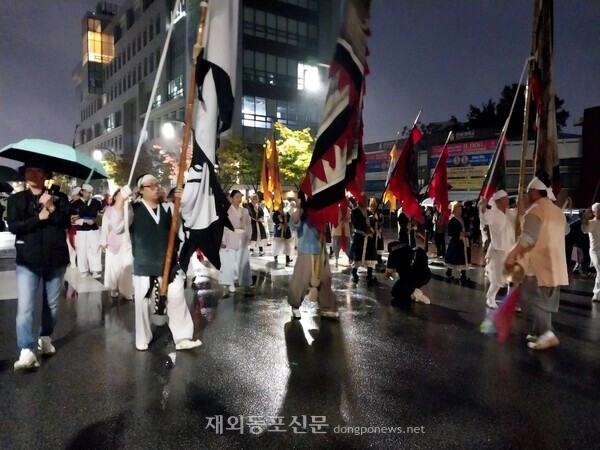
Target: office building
284, 48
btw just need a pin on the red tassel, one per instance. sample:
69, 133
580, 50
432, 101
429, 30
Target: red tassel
502, 318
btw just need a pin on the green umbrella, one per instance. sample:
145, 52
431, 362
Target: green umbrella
59, 158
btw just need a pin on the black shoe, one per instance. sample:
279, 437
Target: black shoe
275, 259
355, 275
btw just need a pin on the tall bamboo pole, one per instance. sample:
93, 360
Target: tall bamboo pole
525, 141
187, 137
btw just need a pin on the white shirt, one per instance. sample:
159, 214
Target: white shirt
593, 229
502, 227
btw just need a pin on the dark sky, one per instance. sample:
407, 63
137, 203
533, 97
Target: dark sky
435, 55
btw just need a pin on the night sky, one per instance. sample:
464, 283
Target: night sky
439, 56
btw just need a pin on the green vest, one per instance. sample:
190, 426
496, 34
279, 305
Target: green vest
149, 241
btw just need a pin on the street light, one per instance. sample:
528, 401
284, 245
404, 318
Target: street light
171, 129
172, 133
98, 154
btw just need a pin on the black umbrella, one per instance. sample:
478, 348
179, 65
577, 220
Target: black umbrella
10, 174
5, 187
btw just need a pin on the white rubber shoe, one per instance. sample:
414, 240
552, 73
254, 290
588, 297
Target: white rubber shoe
45, 346
188, 344
27, 360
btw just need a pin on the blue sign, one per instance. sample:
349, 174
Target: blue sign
476, 159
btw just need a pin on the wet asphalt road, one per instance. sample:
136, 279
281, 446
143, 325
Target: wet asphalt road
425, 366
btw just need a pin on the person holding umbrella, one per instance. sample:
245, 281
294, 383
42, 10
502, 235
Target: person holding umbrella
39, 219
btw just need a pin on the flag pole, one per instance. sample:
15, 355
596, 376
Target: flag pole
504, 131
161, 64
524, 144
187, 136
393, 172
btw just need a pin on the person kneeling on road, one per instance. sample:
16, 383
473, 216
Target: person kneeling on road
412, 267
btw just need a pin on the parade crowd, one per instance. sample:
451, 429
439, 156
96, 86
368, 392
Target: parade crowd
129, 231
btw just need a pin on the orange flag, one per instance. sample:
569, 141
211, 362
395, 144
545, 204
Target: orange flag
270, 183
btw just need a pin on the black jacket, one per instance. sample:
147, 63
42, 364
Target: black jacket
86, 210
40, 244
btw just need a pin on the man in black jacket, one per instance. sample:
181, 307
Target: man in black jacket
39, 219
413, 273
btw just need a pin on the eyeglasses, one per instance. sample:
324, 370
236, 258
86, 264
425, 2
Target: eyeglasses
150, 186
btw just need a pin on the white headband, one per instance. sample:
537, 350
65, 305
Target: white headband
596, 207
143, 180
538, 185
499, 194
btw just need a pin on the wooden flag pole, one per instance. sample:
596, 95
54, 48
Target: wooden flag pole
187, 137
525, 140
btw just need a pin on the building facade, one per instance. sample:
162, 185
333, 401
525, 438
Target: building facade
282, 51
470, 156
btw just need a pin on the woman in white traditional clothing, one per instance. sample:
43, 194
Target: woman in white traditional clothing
282, 236
118, 259
235, 258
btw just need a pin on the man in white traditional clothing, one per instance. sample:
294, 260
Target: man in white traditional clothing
542, 243
87, 237
73, 197
591, 226
149, 226
501, 223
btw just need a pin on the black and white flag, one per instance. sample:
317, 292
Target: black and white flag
204, 204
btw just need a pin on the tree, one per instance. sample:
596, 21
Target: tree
241, 163
494, 114
295, 152
118, 167
238, 163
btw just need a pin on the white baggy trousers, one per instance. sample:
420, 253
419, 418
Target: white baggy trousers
87, 247
178, 313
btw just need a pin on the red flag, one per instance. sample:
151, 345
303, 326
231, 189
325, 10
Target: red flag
338, 162
495, 179
404, 183
546, 146
438, 188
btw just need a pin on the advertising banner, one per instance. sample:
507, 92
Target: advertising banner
467, 163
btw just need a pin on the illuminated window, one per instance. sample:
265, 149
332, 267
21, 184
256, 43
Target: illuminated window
308, 77
175, 88
254, 112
